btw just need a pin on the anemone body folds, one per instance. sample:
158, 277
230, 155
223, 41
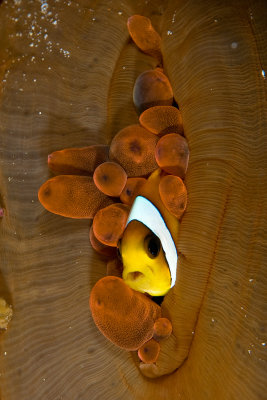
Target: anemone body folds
80, 93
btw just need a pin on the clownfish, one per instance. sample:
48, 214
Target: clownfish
147, 247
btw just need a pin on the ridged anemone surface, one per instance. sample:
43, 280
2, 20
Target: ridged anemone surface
67, 75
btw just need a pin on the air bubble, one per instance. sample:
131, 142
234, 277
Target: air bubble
65, 52
44, 8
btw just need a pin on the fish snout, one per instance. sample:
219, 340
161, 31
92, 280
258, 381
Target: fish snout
138, 277
133, 276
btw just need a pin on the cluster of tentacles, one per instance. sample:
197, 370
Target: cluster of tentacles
101, 182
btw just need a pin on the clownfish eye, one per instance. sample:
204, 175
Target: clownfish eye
152, 245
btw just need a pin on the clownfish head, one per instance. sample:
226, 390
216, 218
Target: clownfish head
147, 250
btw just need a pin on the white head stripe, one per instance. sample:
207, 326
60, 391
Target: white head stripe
144, 211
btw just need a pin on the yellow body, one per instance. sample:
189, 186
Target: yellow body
142, 271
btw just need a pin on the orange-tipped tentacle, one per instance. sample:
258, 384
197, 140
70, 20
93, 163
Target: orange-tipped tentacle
131, 189
77, 161
134, 149
144, 35
124, 316
149, 352
161, 120
72, 196
152, 88
101, 248
110, 178
173, 194
172, 154
162, 329
109, 223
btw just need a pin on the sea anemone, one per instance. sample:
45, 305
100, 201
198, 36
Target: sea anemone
162, 329
144, 35
72, 196
173, 194
109, 223
131, 189
172, 154
152, 88
162, 120
78, 161
124, 316
149, 352
110, 178
134, 149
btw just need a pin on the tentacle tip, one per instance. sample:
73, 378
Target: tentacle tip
162, 329
149, 352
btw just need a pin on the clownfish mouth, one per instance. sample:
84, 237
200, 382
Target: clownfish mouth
147, 250
134, 275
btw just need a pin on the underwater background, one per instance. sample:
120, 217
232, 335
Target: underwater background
67, 74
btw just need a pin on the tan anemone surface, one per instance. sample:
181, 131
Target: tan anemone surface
67, 74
